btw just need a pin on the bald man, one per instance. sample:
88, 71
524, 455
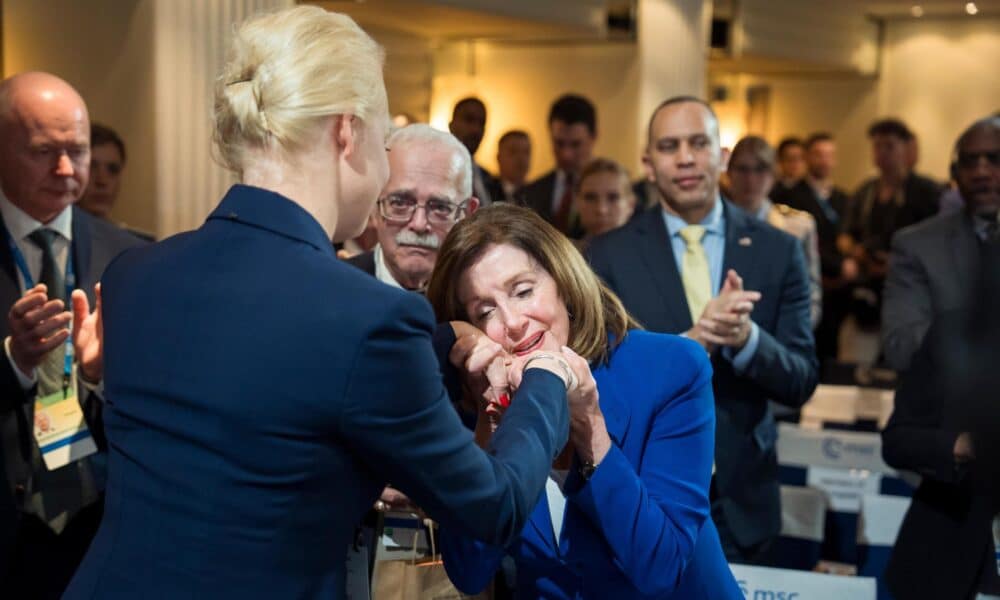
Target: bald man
52, 255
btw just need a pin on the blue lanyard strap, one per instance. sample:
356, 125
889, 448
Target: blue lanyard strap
29, 282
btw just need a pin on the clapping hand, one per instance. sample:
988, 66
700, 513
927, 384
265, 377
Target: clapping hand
88, 335
726, 318
37, 326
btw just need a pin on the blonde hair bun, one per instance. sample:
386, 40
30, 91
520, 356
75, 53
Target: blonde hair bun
286, 72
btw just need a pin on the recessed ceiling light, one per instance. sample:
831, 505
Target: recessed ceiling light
917, 11
970, 7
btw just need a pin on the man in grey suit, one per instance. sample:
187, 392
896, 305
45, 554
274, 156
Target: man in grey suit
933, 263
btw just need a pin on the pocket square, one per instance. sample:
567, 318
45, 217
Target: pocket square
745, 241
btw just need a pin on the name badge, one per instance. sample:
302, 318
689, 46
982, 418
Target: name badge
60, 430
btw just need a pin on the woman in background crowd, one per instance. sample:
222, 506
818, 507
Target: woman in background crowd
604, 198
751, 176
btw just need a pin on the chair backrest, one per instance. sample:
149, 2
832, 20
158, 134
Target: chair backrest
878, 525
846, 405
803, 518
765, 583
836, 449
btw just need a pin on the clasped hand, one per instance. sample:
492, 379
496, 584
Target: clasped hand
725, 322
474, 352
38, 325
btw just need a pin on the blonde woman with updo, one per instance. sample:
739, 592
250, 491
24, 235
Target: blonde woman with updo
259, 392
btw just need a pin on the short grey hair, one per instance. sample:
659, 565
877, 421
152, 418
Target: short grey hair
420, 134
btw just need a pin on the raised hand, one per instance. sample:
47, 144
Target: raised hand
37, 326
587, 429
88, 335
726, 318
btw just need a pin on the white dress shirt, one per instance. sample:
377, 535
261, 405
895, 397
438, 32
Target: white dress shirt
382, 272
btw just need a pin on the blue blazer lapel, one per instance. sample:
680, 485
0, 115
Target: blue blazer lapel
613, 405
658, 256
616, 419
739, 253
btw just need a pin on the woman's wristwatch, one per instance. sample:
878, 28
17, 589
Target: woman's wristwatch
586, 469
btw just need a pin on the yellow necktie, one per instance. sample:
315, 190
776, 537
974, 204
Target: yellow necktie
694, 271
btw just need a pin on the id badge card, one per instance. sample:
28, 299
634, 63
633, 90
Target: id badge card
60, 429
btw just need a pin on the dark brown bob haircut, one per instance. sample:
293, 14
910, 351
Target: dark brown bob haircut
595, 311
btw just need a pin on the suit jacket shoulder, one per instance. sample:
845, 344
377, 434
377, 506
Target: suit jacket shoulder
930, 229
537, 195
364, 261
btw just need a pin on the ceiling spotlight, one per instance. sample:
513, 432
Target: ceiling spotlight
917, 11
970, 7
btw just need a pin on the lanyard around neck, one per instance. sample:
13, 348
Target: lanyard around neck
29, 282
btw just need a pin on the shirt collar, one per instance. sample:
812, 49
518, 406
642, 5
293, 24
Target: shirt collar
382, 272
20, 224
764, 210
713, 222
982, 225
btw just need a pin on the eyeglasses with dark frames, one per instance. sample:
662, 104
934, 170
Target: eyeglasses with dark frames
400, 208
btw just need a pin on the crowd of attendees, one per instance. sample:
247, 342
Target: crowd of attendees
752, 254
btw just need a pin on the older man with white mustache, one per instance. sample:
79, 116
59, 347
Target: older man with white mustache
429, 190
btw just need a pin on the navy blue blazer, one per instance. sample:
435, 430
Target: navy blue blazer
637, 262
260, 393
639, 528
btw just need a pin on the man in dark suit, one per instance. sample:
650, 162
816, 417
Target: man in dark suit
880, 207
573, 127
682, 268
428, 191
944, 426
49, 514
933, 264
513, 162
817, 195
791, 165
468, 124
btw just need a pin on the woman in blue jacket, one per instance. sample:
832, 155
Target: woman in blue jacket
625, 513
